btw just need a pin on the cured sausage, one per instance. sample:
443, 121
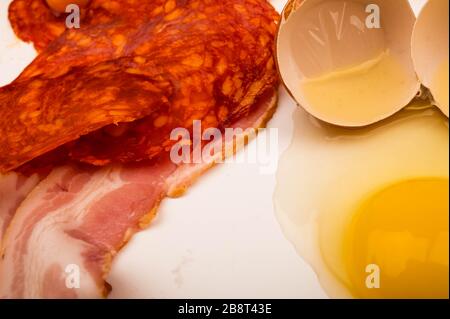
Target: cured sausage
89, 214
180, 61
111, 92
34, 22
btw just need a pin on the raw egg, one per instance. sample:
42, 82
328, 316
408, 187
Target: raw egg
348, 62
368, 208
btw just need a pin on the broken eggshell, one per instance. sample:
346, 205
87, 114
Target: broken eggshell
341, 43
430, 51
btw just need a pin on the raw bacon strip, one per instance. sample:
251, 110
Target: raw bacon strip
83, 217
14, 188
75, 217
218, 57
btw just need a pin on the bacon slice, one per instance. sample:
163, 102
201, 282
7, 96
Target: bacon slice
167, 65
14, 188
83, 216
108, 95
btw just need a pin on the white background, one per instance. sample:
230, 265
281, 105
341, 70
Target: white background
221, 240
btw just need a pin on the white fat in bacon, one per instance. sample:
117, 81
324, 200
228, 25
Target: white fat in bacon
77, 219
14, 188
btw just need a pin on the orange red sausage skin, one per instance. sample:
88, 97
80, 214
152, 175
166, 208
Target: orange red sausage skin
113, 90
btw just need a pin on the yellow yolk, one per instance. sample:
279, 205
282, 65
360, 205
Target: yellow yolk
403, 231
60, 5
352, 198
440, 86
358, 95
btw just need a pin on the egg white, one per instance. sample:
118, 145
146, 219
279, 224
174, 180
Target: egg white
328, 170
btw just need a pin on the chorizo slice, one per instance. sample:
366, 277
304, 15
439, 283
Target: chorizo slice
208, 61
38, 115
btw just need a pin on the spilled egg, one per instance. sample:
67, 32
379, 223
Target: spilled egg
368, 208
362, 191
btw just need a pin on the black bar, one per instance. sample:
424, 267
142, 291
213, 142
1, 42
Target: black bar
225, 308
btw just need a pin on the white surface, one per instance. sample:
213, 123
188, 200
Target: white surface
219, 241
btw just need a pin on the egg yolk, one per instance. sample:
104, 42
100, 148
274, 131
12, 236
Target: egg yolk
397, 245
